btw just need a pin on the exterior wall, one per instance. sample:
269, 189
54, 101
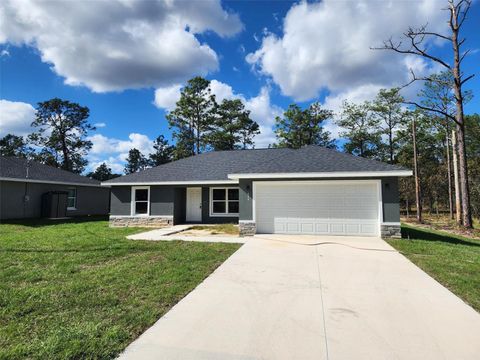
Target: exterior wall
206, 218
120, 202
141, 221
246, 200
391, 202
161, 200
90, 200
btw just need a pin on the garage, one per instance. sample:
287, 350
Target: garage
318, 207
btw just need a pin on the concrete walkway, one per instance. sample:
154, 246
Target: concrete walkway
174, 233
286, 297
157, 234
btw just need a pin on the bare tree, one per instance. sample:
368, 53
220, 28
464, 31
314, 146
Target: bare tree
417, 39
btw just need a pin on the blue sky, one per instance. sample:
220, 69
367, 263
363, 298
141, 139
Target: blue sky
126, 60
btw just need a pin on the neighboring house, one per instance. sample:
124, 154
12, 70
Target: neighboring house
23, 183
311, 190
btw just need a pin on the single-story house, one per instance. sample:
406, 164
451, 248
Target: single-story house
24, 185
311, 190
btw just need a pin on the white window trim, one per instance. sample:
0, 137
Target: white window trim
74, 207
227, 214
132, 202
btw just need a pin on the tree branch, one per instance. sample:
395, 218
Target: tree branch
466, 79
430, 109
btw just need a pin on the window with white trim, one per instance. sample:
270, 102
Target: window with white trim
72, 199
141, 200
224, 201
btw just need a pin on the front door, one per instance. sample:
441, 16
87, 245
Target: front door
194, 204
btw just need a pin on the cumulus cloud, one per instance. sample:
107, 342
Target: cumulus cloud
167, 97
261, 109
119, 44
100, 125
326, 45
15, 117
115, 151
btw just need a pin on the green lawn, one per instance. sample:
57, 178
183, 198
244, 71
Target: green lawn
452, 260
79, 289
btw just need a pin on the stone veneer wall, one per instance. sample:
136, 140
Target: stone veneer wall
247, 228
390, 231
141, 221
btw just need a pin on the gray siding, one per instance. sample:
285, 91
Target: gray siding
206, 218
390, 198
246, 203
90, 200
161, 200
120, 200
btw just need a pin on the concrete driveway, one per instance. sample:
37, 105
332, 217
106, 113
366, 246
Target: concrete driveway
307, 297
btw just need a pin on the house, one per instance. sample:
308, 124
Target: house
23, 184
311, 190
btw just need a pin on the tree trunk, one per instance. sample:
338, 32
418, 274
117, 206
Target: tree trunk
418, 194
462, 158
449, 171
458, 200
390, 141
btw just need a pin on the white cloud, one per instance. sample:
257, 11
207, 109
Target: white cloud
326, 45
167, 97
4, 53
100, 125
16, 117
119, 44
115, 151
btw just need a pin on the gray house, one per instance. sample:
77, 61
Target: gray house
311, 190
23, 185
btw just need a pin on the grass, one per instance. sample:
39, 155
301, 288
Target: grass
230, 229
78, 289
452, 260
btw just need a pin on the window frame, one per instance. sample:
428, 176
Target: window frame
133, 202
74, 207
226, 201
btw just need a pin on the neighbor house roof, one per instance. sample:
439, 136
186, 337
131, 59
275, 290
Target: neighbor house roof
19, 169
229, 166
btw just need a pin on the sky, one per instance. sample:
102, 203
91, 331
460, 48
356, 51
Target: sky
127, 60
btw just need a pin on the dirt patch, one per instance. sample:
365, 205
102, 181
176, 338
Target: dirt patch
205, 232
444, 223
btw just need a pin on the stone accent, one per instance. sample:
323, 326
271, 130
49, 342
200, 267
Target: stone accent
247, 228
141, 221
390, 231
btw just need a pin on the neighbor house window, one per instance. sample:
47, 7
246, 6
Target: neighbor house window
140, 200
224, 201
72, 199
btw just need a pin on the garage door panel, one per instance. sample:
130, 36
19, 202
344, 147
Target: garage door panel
317, 208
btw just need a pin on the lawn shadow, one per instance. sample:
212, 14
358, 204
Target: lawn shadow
420, 234
39, 222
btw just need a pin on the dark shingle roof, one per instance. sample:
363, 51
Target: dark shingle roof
16, 168
218, 164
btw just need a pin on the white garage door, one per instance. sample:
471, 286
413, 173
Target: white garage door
316, 207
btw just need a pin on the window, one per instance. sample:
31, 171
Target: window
224, 201
72, 199
140, 200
